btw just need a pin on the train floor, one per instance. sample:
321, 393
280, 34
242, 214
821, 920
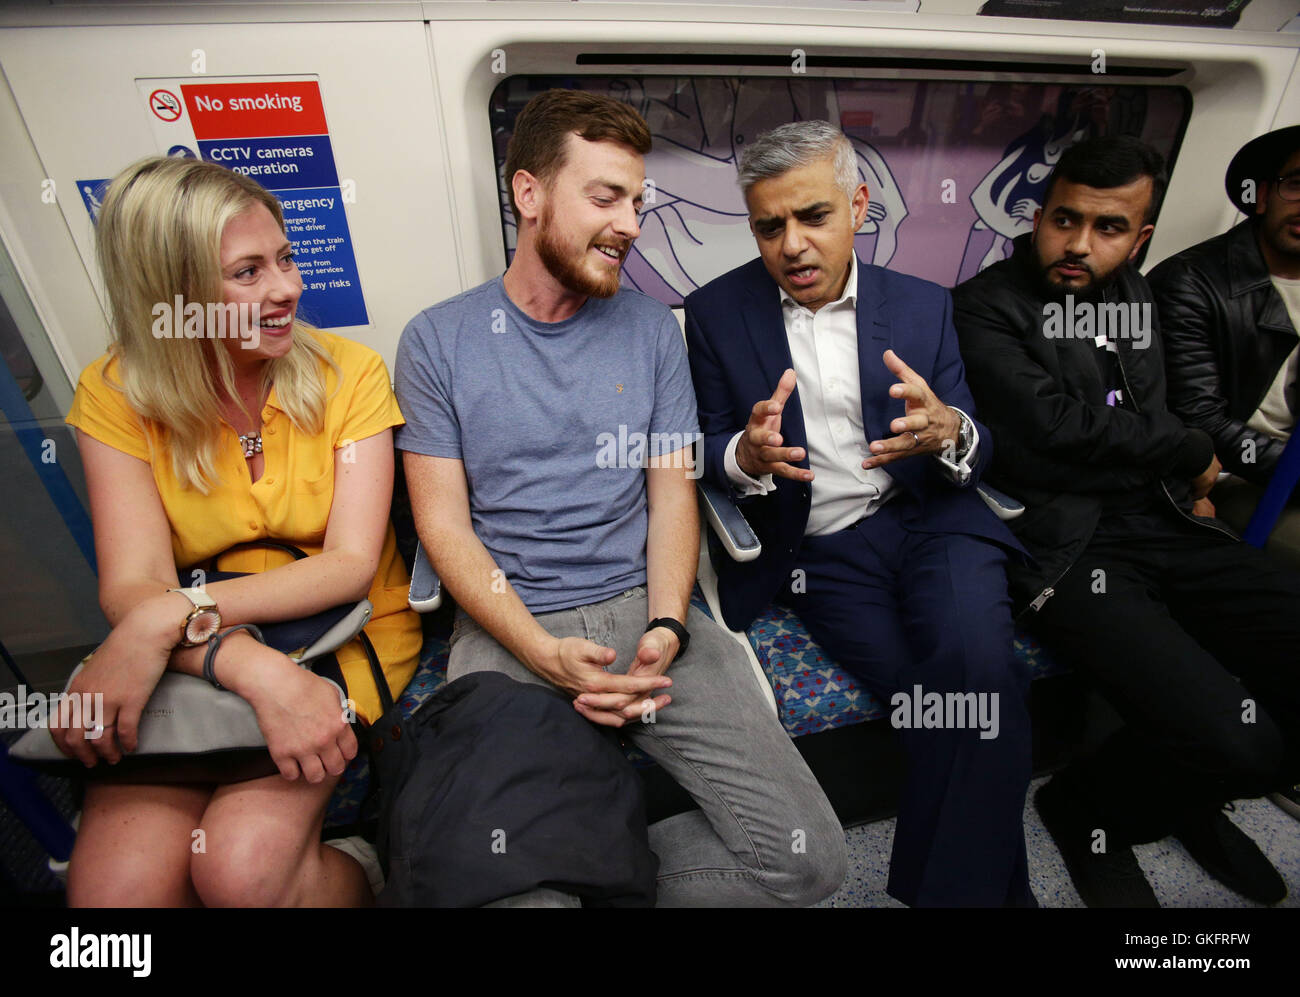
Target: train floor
1176, 879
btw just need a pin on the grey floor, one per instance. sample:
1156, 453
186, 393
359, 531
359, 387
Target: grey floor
1176, 879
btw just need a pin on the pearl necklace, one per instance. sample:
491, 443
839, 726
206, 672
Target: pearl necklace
252, 444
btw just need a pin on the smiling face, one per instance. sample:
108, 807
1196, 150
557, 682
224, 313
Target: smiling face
587, 217
1083, 235
257, 269
804, 226
1279, 224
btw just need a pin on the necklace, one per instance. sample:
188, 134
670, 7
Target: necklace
252, 444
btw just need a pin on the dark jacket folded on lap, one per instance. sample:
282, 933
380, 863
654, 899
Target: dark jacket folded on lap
513, 791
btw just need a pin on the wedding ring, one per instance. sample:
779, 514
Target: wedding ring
916, 440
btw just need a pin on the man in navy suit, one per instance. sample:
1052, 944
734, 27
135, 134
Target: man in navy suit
833, 403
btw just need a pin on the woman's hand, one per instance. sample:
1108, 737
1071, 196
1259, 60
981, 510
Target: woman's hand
306, 728
124, 670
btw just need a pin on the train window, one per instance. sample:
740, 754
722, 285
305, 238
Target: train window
955, 169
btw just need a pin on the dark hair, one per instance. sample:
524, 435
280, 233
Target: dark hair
537, 144
1112, 161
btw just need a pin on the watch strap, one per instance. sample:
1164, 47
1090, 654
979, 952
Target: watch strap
668, 623
198, 597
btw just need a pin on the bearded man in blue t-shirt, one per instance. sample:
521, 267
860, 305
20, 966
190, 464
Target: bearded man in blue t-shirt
550, 420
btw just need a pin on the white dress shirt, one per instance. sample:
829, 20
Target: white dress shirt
824, 353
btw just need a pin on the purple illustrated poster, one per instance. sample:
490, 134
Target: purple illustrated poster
955, 170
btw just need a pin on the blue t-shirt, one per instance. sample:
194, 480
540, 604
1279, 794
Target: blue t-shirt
554, 423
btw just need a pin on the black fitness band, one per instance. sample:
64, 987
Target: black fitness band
668, 623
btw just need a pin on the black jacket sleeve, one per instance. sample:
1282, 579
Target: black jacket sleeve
1191, 320
1036, 419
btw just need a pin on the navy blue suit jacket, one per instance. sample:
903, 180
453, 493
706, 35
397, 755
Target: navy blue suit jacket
737, 345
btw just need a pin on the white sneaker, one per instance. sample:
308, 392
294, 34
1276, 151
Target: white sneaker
364, 852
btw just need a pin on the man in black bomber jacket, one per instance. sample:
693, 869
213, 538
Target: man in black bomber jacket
1229, 311
1136, 585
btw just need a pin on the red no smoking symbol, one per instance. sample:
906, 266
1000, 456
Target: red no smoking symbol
165, 105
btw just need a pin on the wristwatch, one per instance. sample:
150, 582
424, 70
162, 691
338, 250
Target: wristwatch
965, 435
668, 623
204, 619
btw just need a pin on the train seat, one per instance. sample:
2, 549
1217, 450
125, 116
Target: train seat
814, 694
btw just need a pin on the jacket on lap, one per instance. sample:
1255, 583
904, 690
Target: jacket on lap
1227, 334
511, 791
1062, 450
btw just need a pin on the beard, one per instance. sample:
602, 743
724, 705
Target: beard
1278, 239
1052, 291
571, 274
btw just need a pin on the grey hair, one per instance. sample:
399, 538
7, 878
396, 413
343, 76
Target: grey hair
797, 144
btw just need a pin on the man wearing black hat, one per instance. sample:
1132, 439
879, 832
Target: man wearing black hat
1229, 310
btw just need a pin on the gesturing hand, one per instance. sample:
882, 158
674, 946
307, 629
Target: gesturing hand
760, 451
928, 426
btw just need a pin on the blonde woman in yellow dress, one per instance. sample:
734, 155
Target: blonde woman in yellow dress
259, 428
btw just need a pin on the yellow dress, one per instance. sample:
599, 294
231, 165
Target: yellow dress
290, 502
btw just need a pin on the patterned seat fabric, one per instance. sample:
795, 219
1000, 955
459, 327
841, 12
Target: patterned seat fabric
814, 694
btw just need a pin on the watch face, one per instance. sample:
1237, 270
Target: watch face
202, 625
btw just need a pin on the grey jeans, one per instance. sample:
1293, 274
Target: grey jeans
765, 833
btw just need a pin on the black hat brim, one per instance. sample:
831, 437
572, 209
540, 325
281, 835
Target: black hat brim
1254, 160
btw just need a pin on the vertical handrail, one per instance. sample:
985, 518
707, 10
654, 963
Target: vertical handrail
1276, 495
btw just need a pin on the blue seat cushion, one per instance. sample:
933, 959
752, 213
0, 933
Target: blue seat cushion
814, 694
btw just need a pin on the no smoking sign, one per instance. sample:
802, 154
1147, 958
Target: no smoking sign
165, 105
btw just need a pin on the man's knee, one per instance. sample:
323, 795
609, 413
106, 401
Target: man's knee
814, 867
1246, 756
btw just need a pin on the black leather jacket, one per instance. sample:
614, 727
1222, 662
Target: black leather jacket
1061, 450
1227, 334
